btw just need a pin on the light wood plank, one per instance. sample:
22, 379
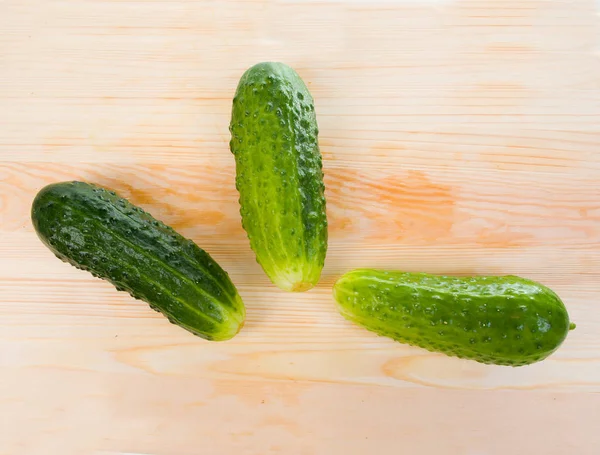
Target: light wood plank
459, 136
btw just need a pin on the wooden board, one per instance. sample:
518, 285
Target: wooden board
459, 136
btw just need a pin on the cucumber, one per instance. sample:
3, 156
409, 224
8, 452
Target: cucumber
95, 230
496, 320
279, 175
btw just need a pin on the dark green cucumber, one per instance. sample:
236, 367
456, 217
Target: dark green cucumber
498, 320
96, 230
279, 174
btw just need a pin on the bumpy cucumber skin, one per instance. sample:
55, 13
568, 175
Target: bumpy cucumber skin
95, 230
279, 174
495, 320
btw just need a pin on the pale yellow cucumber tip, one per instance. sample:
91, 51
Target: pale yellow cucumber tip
301, 286
241, 326
229, 335
572, 326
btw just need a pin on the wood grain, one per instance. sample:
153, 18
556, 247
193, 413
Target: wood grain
459, 136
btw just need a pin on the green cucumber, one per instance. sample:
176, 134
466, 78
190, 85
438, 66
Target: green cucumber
497, 320
95, 230
279, 174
